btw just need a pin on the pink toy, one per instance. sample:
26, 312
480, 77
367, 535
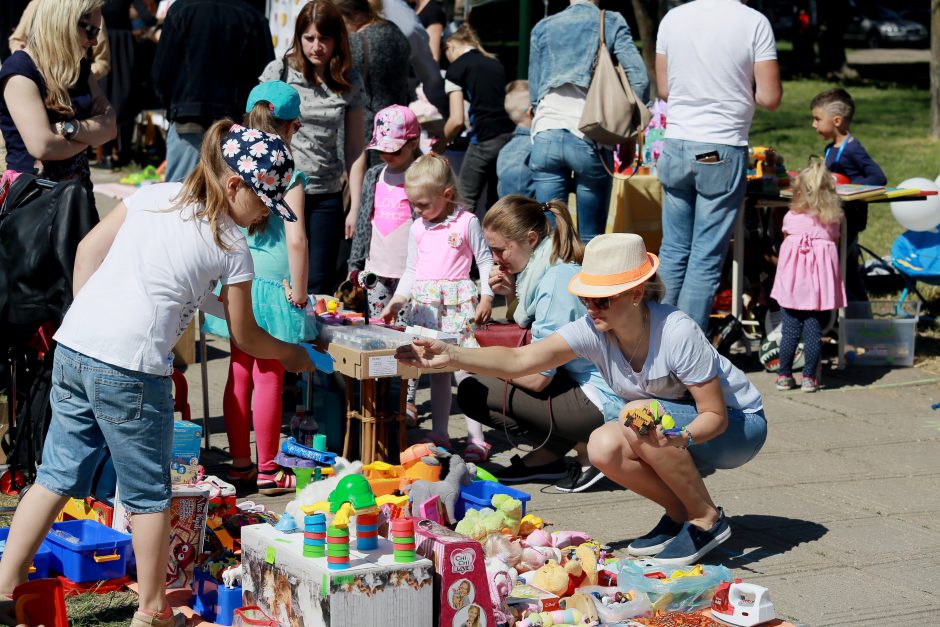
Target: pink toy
502, 555
534, 557
558, 539
558, 618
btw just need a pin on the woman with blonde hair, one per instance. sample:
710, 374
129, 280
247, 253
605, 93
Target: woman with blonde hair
537, 251
477, 76
51, 108
658, 362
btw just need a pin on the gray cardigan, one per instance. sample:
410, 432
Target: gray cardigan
362, 235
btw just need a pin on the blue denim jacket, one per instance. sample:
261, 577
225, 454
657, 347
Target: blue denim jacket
563, 47
512, 165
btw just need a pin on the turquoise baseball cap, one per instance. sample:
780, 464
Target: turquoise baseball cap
283, 99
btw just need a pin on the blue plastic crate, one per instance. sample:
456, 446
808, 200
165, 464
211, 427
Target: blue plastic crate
40, 566
86, 550
479, 494
213, 601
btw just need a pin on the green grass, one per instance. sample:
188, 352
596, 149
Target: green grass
892, 123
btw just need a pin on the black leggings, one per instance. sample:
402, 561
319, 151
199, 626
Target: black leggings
573, 414
809, 325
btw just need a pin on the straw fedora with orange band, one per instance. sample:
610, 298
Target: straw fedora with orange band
613, 263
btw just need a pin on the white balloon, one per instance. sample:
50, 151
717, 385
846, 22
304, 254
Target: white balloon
918, 215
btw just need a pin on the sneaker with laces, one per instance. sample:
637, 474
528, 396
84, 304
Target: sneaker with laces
579, 479
785, 382
692, 543
656, 539
809, 384
518, 472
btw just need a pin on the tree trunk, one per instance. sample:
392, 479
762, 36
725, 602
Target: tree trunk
647, 17
935, 69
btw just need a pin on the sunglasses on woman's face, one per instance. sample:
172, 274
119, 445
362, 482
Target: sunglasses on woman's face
91, 31
601, 304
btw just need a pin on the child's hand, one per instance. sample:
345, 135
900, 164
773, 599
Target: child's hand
501, 281
350, 227
484, 310
390, 312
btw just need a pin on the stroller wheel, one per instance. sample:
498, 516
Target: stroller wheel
12, 482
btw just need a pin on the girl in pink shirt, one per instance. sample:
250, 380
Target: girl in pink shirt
445, 239
808, 284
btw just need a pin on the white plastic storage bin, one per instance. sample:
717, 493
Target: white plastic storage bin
881, 332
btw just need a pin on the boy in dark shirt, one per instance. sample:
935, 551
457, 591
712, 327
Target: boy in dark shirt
832, 112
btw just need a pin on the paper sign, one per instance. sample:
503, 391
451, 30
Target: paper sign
383, 366
269, 555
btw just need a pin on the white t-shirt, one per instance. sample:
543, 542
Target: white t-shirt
162, 265
560, 108
679, 356
711, 47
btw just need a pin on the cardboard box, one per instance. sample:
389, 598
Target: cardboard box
301, 591
531, 599
187, 443
188, 512
368, 364
460, 580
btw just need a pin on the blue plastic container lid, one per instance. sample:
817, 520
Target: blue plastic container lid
86, 535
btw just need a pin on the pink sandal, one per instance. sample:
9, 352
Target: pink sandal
477, 452
278, 482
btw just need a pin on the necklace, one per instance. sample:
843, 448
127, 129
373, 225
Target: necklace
636, 346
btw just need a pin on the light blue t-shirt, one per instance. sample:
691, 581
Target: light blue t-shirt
555, 307
679, 356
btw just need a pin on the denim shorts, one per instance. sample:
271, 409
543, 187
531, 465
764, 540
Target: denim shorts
97, 407
740, 442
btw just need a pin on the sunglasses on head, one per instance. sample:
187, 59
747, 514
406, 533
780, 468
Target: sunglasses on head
600, 304
91, 31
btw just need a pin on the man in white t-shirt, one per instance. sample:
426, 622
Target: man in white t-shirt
715, 60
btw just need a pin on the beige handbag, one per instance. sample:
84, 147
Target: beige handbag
612, 112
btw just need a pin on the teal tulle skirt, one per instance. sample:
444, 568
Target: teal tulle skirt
273, 314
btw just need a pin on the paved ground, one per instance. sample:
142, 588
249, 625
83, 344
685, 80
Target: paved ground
839, 515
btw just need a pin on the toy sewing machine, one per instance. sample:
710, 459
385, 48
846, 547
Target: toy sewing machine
742, 604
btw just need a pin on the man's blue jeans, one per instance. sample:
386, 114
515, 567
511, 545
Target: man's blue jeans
700, 205
555, 155
182, 153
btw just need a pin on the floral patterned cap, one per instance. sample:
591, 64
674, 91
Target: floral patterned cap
265, 164
394, 126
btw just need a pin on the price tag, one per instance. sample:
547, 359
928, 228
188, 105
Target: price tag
269, 555
383, 366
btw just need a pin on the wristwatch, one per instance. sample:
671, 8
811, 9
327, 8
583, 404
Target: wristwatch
67, 129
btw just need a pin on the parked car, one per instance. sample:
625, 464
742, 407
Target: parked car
876, 26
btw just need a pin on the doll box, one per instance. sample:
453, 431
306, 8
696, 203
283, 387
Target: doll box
460, 579
298, 590
189, 509
187, 442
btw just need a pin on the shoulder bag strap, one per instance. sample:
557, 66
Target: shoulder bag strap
284, 69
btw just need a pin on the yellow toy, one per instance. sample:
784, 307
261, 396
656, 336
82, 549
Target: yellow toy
552, 577
529, 523
696, 571
642, 418
352, 496
584, 604
588, 562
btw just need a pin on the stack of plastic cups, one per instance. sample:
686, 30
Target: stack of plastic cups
403, 539
367, 532
315, 535
337, 548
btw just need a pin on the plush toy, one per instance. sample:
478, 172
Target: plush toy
479, 523
552, 577
501, 557
557, 539
584, 604
588, 559
529, 523
534, 557
447, 490
511, 510
576, 574
318, 491
558, 618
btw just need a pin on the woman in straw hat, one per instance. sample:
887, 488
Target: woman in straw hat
645, 351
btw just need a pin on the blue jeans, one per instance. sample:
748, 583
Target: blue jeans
737, 445
325, 222
182, 153
700, 205
97, 407
556, 154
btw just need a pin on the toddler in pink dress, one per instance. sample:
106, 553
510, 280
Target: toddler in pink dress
808, 285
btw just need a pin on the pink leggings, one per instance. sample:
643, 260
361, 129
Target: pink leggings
266, 378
